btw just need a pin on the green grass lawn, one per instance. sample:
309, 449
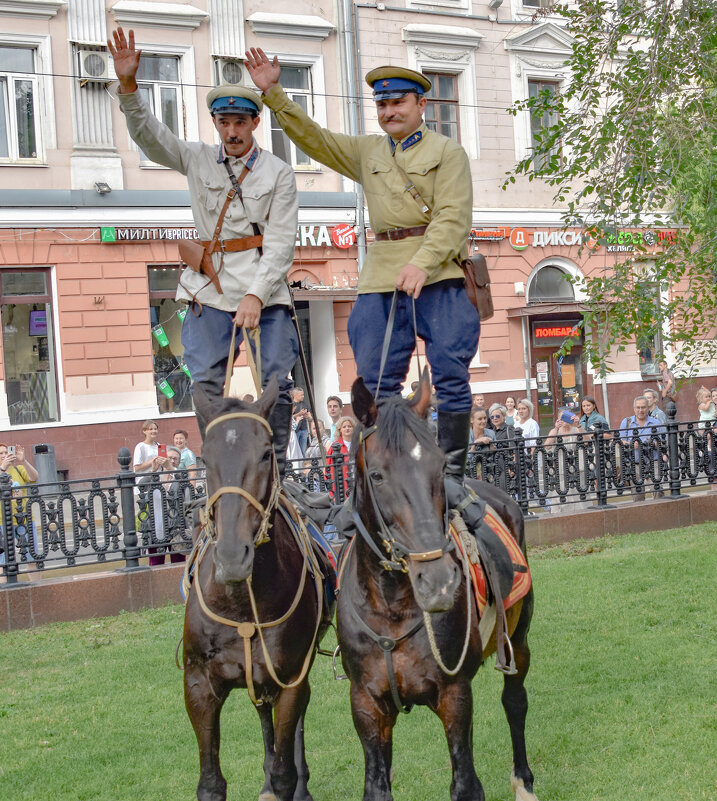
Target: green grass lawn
623, 697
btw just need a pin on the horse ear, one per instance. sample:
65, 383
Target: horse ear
268, 398
422, 398
204, 407
362, 403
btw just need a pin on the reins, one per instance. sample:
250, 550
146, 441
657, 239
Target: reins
277, 502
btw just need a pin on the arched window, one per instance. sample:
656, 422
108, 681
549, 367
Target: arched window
550, 283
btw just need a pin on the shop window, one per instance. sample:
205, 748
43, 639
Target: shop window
29, 357
171, 376
18, 100
442, 110
550, 283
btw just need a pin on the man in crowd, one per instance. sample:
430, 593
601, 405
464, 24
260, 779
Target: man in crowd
334, 406
636, 432
418, 188
242, 280
653, 407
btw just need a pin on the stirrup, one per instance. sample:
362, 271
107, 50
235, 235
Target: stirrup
509, 669
337, 676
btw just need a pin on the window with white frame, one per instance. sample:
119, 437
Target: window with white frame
442, 107
158, 79
19, 129
297, 83
446, 55
542, 121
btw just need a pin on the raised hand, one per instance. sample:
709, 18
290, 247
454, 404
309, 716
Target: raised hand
126, 60
264, 73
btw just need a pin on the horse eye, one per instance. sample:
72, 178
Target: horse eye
266, 455
376, 475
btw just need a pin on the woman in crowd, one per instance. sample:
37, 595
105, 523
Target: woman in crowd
510, 410
529, 426
504, 438
706, 407
146, 458
482, 441
561, 460
341, 445
481, 436
317, 430
497, 414
590, 416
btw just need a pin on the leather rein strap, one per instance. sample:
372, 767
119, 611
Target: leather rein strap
247, 629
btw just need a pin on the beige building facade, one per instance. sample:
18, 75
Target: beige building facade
89, 227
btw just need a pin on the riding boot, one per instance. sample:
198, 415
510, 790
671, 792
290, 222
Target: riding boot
453, 432
280, 422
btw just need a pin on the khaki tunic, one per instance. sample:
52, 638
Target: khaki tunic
270, 200
437, 165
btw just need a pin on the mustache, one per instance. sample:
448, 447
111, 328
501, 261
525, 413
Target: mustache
233, 140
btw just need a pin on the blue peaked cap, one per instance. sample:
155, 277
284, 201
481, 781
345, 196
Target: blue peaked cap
233, 105
389, 88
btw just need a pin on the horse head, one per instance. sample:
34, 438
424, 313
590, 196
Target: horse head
400, 494
241, 477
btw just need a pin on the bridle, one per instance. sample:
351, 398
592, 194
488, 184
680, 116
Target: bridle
397, 552
207, 514
247, 629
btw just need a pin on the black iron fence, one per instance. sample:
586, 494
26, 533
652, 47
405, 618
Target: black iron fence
123, 518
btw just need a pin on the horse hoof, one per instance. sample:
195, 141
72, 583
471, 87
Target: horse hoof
267, 797
518, 787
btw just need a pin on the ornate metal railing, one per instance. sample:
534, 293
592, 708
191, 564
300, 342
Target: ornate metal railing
123, 518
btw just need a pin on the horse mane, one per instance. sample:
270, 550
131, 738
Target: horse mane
395, 415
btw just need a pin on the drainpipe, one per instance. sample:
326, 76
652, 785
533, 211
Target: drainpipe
349, 51
526, 355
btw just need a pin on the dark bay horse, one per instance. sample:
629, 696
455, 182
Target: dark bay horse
254, 614
401, 566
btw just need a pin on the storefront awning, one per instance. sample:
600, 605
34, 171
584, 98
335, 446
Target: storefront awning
541, 309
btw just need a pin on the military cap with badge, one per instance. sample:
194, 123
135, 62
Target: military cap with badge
389, 83
233, 99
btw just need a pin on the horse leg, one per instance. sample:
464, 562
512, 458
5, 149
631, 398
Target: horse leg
204, 708
515, 704
455, 709
374, 724
288, 712
302, 789
267, 732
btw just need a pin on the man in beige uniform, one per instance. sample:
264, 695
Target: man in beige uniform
256, 246
419, 194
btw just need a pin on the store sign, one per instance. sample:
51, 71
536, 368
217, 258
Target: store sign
551, 333
343, 236
340, 236
490, 234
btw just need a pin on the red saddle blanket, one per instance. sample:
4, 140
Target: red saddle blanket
521, 575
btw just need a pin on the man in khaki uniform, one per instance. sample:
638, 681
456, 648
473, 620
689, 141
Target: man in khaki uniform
419, 194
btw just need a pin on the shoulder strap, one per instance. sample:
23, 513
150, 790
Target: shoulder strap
410, 187
236, 183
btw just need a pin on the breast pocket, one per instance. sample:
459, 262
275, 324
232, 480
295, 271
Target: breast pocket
213, 193
257, 200
377, 180
422, 174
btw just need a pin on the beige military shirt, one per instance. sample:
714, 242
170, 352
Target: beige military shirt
270, 200
437, 166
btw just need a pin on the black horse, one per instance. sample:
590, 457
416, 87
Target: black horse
401, 567
254, 614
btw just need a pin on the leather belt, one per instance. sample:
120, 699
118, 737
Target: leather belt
233, 245
400, 233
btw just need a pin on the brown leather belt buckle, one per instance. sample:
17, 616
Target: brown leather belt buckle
394, 234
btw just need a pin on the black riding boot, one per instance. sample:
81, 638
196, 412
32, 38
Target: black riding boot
280, 422
453, 432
